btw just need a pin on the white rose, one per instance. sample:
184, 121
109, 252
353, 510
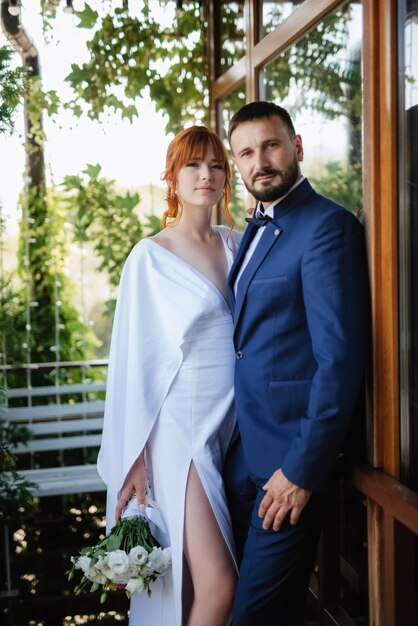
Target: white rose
118, 562
156, 562
138, 556
167, 560
103, 566
95, 575
135, 585
123, 579
83, 563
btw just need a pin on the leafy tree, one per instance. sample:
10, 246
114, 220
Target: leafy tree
325, 78
16, 497
342, 183
12, 322
102, 216
108, 220
15, 491
56, 329
45, 291
132, 55
12, 86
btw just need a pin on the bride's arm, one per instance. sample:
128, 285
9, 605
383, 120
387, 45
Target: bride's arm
135, 483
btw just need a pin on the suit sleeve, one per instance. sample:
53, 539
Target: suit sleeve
335, 292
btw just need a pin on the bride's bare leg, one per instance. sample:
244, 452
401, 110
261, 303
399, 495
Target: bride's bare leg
186, 592
210, 563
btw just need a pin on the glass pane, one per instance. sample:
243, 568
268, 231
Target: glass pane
408, 141
232, 29
226, 109
318, 80
272, 12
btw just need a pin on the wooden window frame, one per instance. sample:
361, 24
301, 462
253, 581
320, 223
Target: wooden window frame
386, 532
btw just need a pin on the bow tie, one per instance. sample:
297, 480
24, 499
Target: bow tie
262, 220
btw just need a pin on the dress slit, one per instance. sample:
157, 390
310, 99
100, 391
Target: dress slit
215, 511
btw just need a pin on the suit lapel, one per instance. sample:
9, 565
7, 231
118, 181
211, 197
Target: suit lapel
245, 242
268, 239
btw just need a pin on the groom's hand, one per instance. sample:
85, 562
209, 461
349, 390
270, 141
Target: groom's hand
282, 497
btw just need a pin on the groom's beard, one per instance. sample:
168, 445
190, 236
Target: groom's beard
273, 190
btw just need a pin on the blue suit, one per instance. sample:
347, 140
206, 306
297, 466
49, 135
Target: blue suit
301, 335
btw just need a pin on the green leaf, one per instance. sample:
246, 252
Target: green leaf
113, 543
88, 17
77, 75
92, 170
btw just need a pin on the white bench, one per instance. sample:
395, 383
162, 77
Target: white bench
59, 423
54, 481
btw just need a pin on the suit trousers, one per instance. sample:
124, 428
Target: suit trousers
275, 566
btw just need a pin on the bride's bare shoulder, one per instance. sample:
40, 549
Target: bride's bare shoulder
163, 238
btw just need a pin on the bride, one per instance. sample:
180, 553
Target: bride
169, 402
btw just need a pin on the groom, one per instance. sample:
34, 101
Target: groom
299, 294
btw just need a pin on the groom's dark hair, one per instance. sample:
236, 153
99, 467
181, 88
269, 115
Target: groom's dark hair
258, 110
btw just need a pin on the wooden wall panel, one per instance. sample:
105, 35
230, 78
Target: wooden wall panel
388, 411
380, 205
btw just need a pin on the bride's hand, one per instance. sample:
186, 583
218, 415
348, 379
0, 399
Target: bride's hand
135, 483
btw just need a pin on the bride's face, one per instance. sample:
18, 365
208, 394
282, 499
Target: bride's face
201, 181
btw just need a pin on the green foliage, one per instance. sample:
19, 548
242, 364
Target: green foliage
232, 35
12, 315
16, 497
38, 103
40, 313
342, 183
326, 81
88, 17
12, 320
56, 330
152, 225
12, 87
130, 56
100, 215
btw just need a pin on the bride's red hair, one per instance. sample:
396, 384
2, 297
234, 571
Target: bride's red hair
193, 143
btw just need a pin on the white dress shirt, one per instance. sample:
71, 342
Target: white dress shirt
270, 212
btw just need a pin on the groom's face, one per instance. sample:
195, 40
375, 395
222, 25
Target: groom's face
267, 157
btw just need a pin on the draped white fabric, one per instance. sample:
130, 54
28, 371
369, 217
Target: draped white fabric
169, 390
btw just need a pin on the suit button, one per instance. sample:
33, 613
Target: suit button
239, 354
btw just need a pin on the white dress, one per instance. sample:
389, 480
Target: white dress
170, 389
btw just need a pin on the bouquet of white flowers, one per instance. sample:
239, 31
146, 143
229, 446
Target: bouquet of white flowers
128, 558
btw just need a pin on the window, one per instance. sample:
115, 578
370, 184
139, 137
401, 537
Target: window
272, 13
408, 205
318, 80
232, 29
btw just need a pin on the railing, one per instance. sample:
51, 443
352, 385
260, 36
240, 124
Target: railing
65, 423
392, 523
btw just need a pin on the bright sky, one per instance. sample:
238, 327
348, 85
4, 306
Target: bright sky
131, 154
